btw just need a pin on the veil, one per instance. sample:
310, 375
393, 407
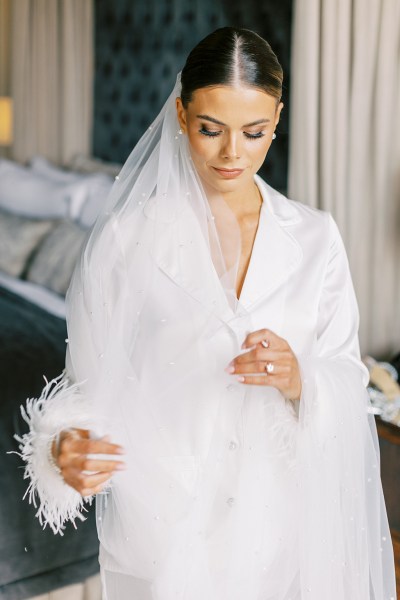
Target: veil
153, 359
153, 319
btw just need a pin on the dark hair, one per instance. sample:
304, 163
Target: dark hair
232, 55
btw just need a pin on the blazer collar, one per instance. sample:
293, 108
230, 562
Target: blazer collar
276, 254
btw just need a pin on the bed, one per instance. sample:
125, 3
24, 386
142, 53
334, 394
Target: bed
45, 215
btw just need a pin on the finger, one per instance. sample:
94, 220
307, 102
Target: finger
81, 479
83, 446
257, 380
257, 355
88, 464
82, 462
91, 481
260, 367
256, 337
83, 433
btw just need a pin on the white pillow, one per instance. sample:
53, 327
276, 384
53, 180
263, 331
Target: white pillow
29, 194
43, 167
98, 188
51, 193
87, 194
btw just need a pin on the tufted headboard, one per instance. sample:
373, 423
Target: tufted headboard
141, 45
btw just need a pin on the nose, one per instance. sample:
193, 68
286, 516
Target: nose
231, 148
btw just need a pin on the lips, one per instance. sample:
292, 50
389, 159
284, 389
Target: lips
228, 173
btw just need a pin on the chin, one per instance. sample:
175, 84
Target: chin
230, 185
220, 186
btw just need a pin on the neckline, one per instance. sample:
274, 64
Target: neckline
256, 236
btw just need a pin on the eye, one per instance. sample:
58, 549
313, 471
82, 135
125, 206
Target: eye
254, 136
209, 133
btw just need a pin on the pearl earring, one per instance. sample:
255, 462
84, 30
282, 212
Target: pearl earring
180, 131
274, 136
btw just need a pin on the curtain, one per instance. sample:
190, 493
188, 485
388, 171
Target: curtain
4, 47
344, 152
4, 59
52, 78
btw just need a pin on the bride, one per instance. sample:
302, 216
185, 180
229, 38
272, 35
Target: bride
214, 400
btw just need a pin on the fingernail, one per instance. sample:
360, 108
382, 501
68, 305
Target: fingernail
106, 438
229, 369
240, 379
120, 467
120, 450
243, 346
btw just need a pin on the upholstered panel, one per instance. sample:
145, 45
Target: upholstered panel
140, 46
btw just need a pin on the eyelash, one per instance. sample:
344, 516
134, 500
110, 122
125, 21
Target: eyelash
250, 136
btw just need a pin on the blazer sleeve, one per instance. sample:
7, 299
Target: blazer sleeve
337, 344
72, 399
61, 406
342, 515
64, 404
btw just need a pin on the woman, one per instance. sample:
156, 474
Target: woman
213, 336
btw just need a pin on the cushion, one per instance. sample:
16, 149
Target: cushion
92, 189
87, 192
30, 194
97, 193
45, 191
54, 261
77, 189
19, 236
42, 166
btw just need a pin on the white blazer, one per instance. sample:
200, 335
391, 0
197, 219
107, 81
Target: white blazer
301, 473
298, 282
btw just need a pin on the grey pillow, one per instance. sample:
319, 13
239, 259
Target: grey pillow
53, 263
19, 236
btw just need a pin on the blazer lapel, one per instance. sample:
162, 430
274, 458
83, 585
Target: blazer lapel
276, 254
183, 255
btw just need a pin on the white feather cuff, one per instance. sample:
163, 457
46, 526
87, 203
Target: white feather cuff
60, 406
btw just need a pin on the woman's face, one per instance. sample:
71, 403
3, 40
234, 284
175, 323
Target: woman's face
230, 130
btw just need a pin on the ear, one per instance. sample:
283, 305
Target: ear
278, 112
181, 114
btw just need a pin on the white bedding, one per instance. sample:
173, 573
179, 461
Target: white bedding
37, 294
45, 191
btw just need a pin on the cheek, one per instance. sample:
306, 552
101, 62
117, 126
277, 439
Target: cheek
201, 148
256, 153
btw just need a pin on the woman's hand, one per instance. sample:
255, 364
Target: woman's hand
73, 461
267, 348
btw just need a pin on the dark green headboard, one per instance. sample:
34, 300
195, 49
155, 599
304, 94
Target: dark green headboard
140, 45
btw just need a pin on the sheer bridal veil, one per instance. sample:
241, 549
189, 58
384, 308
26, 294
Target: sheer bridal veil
153, 319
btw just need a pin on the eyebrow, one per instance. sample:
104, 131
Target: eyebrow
208, 118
